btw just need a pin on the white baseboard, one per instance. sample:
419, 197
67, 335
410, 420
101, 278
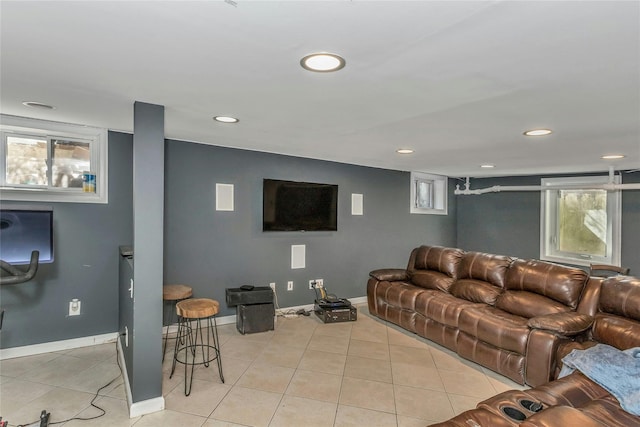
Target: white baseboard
226, 320
358, 300
143, 407
48, 347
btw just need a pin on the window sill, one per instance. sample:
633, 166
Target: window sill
36, 195
584, 262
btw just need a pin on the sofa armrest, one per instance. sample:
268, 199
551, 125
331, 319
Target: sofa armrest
390, 274
567, 323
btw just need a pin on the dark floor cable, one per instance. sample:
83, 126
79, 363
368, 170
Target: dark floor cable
92, 403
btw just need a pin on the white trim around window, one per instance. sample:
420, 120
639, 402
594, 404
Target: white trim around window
428, 194
53, 132
550, 249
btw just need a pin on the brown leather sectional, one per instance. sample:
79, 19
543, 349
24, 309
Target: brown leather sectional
509, 315
573, 400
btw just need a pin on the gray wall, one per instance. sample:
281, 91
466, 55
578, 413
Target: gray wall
86, 240
509, 223
213, 250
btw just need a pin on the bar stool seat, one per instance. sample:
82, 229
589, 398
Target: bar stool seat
190, 338
173, 294
198, 308
176, 292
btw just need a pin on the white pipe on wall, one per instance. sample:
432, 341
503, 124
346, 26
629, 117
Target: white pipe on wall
610, 186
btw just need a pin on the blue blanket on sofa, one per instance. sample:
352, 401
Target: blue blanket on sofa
617, 371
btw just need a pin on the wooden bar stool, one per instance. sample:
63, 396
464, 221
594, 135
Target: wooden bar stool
173, 294
190, 338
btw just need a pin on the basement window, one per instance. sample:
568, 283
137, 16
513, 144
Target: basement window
52, 162
580, 226
428, 194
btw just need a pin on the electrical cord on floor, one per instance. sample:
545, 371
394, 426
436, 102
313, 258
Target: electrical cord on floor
38, 422
287, 313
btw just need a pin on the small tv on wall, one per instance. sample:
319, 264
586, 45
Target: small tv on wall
23, 230
299, 206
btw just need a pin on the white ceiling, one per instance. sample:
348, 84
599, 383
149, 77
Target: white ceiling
459, 82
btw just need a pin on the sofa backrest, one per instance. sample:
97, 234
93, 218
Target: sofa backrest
536, 288
434, 267
480, 277
617, 322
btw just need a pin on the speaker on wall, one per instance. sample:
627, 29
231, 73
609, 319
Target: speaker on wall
224, 197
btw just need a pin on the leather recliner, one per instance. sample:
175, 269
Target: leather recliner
574, 400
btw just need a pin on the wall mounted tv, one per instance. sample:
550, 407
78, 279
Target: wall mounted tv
299, 206
23, 230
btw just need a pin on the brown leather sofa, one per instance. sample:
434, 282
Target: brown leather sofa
574, 400
491, 309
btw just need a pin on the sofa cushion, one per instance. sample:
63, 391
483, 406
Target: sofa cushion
399, 294
486, 267
561, 283
620, 295
431, 280
475, 291
441, 307
528, 304
437, 258
496, 327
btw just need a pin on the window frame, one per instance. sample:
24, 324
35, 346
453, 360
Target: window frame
549, 221
438, 193
50, 130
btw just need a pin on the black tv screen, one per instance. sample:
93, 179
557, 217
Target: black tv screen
299, 206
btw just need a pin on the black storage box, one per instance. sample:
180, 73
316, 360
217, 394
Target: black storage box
254, 308
252, 318
257, 295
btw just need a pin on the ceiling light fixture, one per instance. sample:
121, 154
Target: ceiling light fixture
35, 104
323, 62
225, 119
487, 166
538, 132
613, 156
404, 151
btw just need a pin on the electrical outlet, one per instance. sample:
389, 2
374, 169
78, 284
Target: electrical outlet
272, 285
290, 285
74, 307
126, 336
319, 283
312, 284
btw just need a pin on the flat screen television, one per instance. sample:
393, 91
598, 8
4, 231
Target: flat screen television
23, 230
299, 206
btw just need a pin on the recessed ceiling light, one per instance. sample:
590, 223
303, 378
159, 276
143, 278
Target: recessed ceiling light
404, 151
613, 156
225, 119
538, 132
487, 166
322, 62
35, 104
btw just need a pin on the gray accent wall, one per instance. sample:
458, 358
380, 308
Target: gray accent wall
212, 250
86, 240
509, 223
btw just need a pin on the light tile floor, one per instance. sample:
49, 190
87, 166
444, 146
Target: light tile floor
305, 373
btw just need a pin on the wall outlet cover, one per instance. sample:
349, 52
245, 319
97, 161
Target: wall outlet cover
74, 307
